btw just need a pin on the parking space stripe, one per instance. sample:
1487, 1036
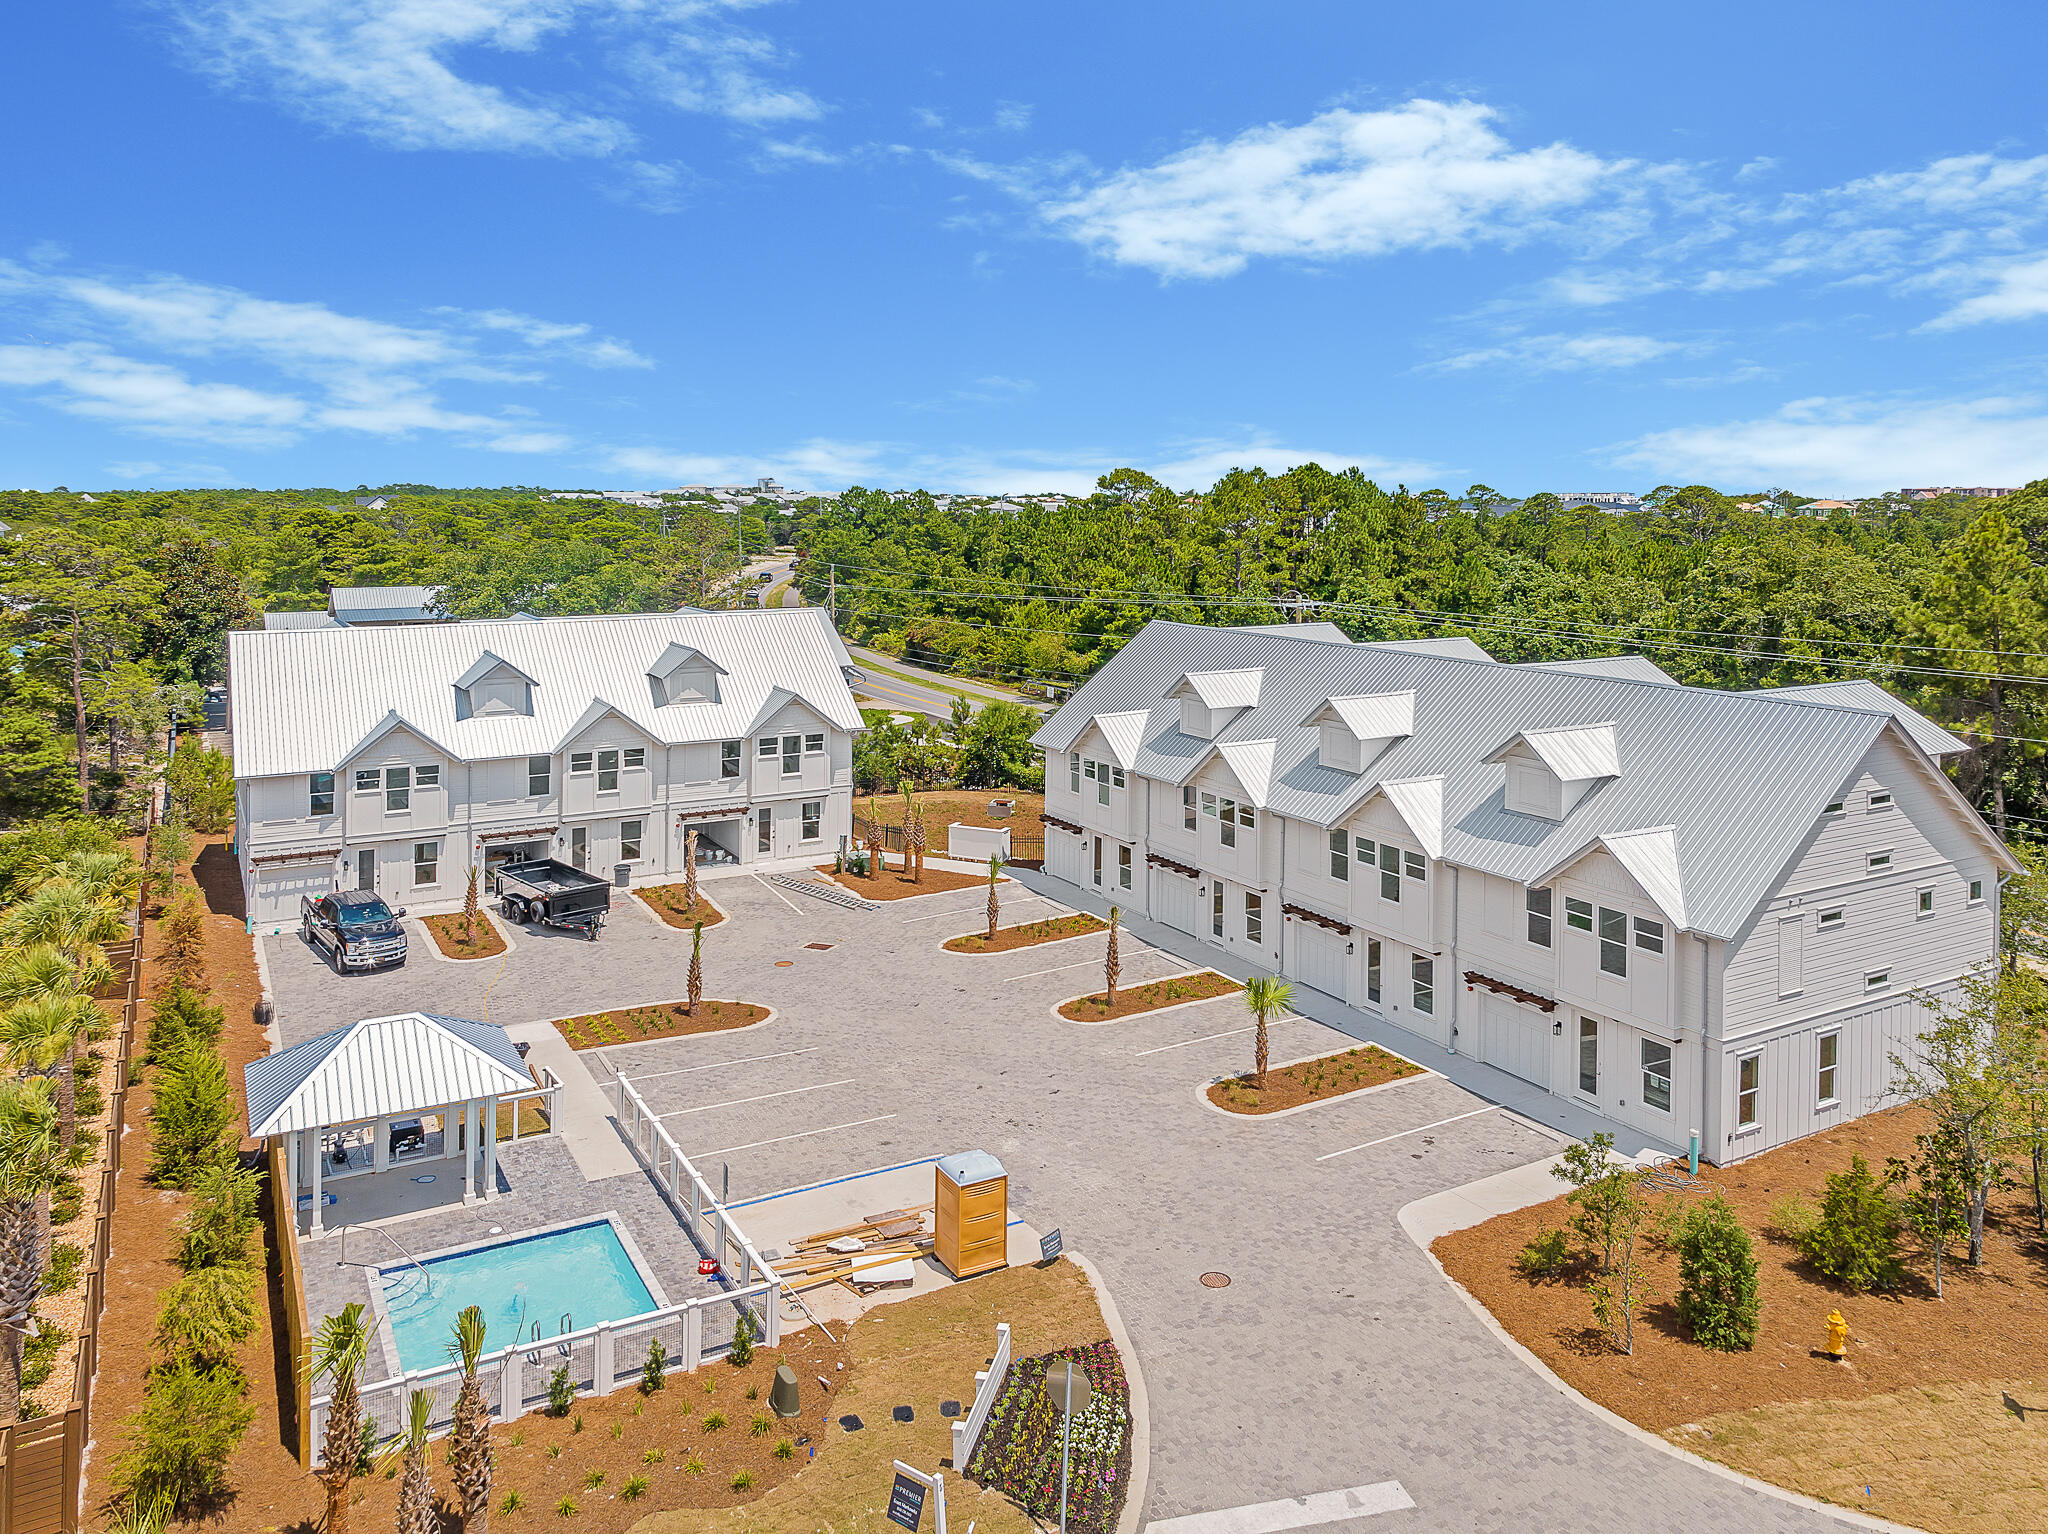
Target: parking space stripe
734, 1102
1292, 1017
1383, 1139
1292, 1513
801, 1134
691, 1070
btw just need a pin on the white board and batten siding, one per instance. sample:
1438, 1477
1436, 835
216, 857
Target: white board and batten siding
1317, 958
1176, 900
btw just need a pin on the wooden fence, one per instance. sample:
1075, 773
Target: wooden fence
42, 1459
284, 1236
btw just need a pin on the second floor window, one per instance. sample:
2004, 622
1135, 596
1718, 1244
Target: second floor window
1538, 903
1390, 873
728, 759
320, 794
1187, 807
607, 771
768, 748
1613, 942
397, 788
1424, 975
1073, 772
636, 756
368, 780
792, 756
1340, 858
1649, 935
540, 774
1578, 914
579, 761
428, 776
814, 744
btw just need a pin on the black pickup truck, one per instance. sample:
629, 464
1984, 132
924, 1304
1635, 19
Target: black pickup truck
552, 894
355, 929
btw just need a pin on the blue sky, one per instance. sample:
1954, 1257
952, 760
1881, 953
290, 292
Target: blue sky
635, 243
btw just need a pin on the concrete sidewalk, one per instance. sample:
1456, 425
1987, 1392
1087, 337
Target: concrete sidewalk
583, 1113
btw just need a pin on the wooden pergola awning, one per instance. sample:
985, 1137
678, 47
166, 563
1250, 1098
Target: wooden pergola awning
1180, 868
1318, 918
307, 855
1064, 825
731, 812
1509, 988
522, 834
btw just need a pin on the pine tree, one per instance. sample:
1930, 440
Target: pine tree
191, 1110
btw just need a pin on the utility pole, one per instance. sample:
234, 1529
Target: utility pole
832, 593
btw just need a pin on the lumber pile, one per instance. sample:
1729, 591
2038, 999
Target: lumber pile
876, 1252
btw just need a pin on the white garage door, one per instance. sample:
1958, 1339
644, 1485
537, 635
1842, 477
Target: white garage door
1515, 1040
1319, 958
276, 898
1176, 900
1066, 855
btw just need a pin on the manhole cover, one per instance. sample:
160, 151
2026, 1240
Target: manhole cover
818, 947
1216, 1280
784, 963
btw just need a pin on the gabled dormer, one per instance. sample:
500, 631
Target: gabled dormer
492, 686
684, 674
1550, 771
1209, 700
1357, 729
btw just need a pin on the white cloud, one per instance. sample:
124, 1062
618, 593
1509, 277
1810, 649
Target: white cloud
1858, 446
401, 72
1012, 116
1420, 176
2018, 291
578, 341
1561, 354
137, 470
85, 379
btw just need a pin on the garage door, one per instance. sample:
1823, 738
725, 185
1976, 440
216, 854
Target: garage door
1319, 958
1066, 855
275, 901
1176, 900
1515, 1040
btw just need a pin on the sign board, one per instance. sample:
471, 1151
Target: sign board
906, 1501
1049, 1246
1068, 1389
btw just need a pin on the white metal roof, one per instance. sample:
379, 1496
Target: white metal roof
1384, 716
412, 1062
1222, 689
1251, 763
1861, 692
1577, 754
304, 701
1639, 668
1650, 856
1124, 732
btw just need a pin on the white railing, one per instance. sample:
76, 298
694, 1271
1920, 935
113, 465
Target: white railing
987, 1385
549, 1089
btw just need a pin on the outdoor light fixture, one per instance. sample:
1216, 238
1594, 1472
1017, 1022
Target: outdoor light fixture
1557, 1026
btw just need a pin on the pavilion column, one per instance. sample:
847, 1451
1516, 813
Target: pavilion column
319, 1156
490, 1147
292, 1144
380, 1146
471, 1156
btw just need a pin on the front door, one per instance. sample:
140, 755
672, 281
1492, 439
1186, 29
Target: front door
579, 846
366, 869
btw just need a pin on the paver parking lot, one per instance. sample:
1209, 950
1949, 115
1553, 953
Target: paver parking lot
1337, 1357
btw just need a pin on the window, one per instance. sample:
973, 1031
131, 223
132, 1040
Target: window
1415, 865
1423, 972
814, 744
1102, 785
1209, 805
428, 776
1657, 1075
1976, 892
1340, 860
1748, 1081
320, 794
1254, 918
397, 788
1116, 776
1538, 904
631, 834
792, 756
540, 770
764, 829
1824, 1079
1123, 867
368, 780
1836, 807
1187, 807
813, 825
768, 747
1578, 914
1649, 935
426, 863
1073, 772
1390, 873
1589, 1056
579, 761
1098, 862
1366, 852
1877, 980
1244, 816
1216, 910
1880, 799
728, 758
1372, 971
1927, 902
1088, 769
1613, 942
1226, 821
607, 772
636, 756
1876, 860
1831, 919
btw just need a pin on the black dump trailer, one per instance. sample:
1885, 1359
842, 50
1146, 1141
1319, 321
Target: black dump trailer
552, 894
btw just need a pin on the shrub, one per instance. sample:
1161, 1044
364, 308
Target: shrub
206, 1316
183, 931
180, 1440
653, 1456
759, 1427
1544, 1256
1717, 1295
39, 1356
742, 1351
743, 1480
222, 1218
512, 1502
713, 1421
566, 1508
1855, 1239
785, 1450
693, 1466
593, 1480
561, 1394
66, 1257
67, 1200
654, 1374
181, 1015
634, 1488
191, 1110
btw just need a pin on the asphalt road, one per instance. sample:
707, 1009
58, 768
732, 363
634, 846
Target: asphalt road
932, 694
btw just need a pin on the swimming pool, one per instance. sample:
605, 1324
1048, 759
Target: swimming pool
583, 1272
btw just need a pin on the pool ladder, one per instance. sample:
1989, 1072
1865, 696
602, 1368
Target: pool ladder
568, 1325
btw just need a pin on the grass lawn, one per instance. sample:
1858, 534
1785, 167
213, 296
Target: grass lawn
1029, 935
1312, 1081
447, 933
663, 1020
667, 902
1149, 997
894, 884
970, 807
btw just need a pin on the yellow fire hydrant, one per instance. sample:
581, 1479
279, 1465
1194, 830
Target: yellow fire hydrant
1838, 1335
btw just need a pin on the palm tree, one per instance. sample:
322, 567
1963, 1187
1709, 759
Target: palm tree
42, 1035
415, 1487
1266, 996
690, 872
1112, 963
469, 1452
31, 1160
696, 968
339, 1348
63, 914
44, 969
995, 872
110, 878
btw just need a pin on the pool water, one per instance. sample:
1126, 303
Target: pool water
583, 1273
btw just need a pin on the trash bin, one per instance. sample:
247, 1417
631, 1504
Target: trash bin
971, 1213
622, 874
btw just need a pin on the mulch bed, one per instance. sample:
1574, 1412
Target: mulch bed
1993, 1320
666, 1020
894, 884
1312, 1081
667, 902
1029, 935
942, 807
1149, 997
1019, 1451
447, 932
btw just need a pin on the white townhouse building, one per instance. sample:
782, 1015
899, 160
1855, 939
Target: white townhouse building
394, 758
1690, 910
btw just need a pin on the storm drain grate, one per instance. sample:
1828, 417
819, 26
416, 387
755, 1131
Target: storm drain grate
818, 947
1215, 1280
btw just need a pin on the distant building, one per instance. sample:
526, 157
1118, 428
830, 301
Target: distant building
374, 502
1828, 506
1974, 492
1605, 500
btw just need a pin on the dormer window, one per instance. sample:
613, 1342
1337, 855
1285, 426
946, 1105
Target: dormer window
1357, 729
1549, 771
1210, 700
493, 686
683, 674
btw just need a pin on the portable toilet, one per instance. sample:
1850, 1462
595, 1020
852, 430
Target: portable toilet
971, 1213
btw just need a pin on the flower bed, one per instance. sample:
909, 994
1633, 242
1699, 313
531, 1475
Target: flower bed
1149, 997
664, 1020
1019, 1451
668, 902
1029, 935
447, 934
1312, 1081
